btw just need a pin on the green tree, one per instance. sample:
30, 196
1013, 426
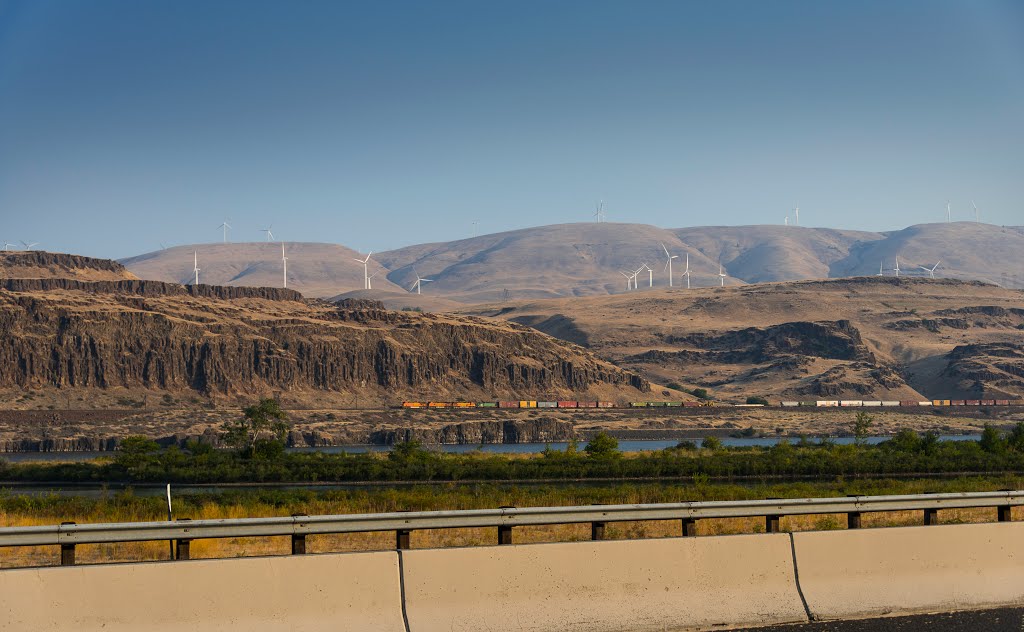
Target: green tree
700, 393
133, 451
862, 427
264, 421
408, 451
992, 440
906, 440
753, 399
1016, 438
711, 443
603, 446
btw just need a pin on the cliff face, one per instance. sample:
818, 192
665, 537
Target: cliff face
231, 341
38, 264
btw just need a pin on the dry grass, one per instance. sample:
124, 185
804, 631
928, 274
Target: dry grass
126, 508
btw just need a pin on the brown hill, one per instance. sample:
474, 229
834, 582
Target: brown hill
38, 264
110, 342
858, 338
315, 269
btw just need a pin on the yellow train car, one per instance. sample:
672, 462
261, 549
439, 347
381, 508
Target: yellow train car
438, 405
527, 403
413, 405
464, 405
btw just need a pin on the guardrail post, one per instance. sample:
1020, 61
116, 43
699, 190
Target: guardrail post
596, 530
298, 539
67, 551
853, 520
183, 545
931, 517
689, 527
505, 531
1004, 513
771, 524
402, 539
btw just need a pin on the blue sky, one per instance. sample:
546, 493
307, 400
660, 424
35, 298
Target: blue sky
124, 124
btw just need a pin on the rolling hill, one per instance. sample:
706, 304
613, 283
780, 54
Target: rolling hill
587, 259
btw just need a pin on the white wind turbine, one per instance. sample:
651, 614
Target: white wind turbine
195, 266
931, 270
947, 212
225, 226
7, 245
30, 246
270, 235
366, 270
650, 273
419, 281
284, 261
369, 279
668, 264
796, 218
880, 264
897, 268
686, 272
787, 220
721, 274
629, 281
977, 215
599, 213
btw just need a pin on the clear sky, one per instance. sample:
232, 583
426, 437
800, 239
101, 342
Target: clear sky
378, 124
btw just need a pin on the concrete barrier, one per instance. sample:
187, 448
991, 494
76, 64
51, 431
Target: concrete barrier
634, 585
356, 591
870, 572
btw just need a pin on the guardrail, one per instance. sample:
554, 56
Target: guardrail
67, 535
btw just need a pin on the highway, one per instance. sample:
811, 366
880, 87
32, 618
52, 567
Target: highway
998, 620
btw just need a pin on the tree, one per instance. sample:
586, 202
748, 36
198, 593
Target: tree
603, 446
1016, 438
264, 421
753, 399
992, 440
906, 440
700, 393
711, 443
408, 451
862, 426
134, 452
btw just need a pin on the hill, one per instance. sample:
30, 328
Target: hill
315, 269
587, 259
857, 338
117, 343
38, 264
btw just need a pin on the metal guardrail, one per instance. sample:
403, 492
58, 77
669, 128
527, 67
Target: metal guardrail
68, 535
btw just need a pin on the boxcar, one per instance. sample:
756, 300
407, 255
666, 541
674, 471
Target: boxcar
675, 404
508, 404
957, 402
908, 403
890, 404
988, 402
527, 403
413, 404
588, 404
438, 404
547, 404
972, 402
606, 404
1002, 402
789, 404
464, 405
486, 404
638, 404
850, 402
566, 404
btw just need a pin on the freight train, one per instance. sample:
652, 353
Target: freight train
820, 403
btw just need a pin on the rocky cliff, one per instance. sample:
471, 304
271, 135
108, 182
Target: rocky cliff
142, 336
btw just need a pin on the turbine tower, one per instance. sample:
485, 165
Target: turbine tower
787, 220
721, 275
796, 213
668, 264
880, 264
897, 268
195, 266
650, 273
629, 281
947, 212
284, 261
977, 215
599, 213
7, 245
931, 270
270, 235
366, 268
225, 226
686, 272
419, 280
369, 279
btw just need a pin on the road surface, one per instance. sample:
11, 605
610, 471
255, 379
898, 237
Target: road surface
999, 620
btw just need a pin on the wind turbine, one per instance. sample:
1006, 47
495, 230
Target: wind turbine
897, 268
225, 226
270, 235
686, 272
284, 260
796, 211
629, 281
7, 245
366, 267
880, 264
599, 213
30, 246
977, 215
931, 270
668, 264
419, 280
369, 285
475, 223
947, 212
787, 220
650, 273
195, 266
721, 275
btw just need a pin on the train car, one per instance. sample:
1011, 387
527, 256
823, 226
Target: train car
413, 405
827, 403
808, 404
464, 405
487, 404
748, 405
527, 403
547, 404
438, 404
789, 404
972, 402
907, 403
940, 402
1002, 402
674, 404
873, 403
508, 404
890, 404
638, 404
587, 404
848, 403
691, 404
567, 404
957, 402
657, 404
606, 404
924, 403
988, 402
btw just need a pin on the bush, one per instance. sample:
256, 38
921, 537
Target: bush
676, 386
992, 440
686, 445
603, 446
711, 443
757, 400
700, 393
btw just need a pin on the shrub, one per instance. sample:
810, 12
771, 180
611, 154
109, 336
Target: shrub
711, 443
700, 393
603, 446
757, 400
676, 386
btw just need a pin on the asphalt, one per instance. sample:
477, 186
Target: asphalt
998, 620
